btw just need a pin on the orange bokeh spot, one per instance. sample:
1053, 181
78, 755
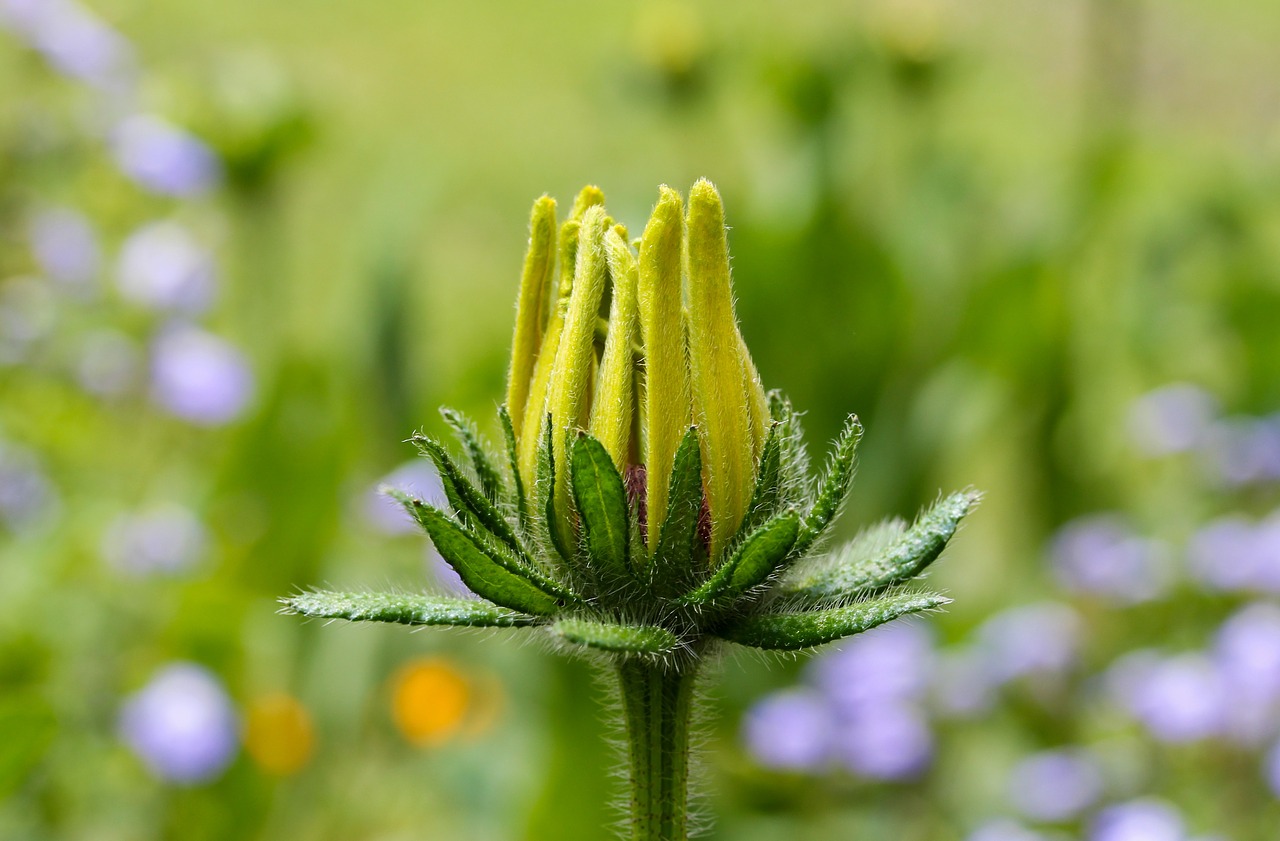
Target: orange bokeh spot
430, 701
278, 733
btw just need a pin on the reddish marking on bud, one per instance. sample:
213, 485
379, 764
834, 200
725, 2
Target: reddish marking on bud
704, 523
636, 481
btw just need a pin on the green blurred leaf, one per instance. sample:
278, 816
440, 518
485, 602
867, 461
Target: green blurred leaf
28, 725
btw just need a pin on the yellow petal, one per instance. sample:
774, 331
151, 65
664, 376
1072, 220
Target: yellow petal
612, 406
531, 307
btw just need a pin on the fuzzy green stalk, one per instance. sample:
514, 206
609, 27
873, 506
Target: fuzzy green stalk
657, 702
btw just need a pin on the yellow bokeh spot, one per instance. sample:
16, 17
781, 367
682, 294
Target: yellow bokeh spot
278, 733
430, 701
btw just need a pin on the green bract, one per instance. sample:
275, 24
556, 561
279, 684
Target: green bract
651, 502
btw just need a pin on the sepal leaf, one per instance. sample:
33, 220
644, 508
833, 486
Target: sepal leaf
754, 561
796, 630
614, 637
405, 609
489, 574
513, 465
673, 555
834, 487
852, 570
468, 503
477, 453
601, 501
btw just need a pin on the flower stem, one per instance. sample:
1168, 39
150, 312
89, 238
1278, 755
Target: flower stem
657, 702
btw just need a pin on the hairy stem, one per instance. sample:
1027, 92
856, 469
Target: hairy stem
657, 702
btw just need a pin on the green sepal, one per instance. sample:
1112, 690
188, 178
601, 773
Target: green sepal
792, 631
768, 492
601, 500
490, 479
546, 500
490, 575
404, 609
468, 503
834, 487
852, 569
608, 636
754, 561
513, 464
673, 556
793, 469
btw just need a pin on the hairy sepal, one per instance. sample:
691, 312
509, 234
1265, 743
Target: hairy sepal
601, 501
491, 484
834, 487
754, 561
861, 566
672, 566
488, 573
797, 630
517, 496
405, 609
469, 504
793, 472
616, 638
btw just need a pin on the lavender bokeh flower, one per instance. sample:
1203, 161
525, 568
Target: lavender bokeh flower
165, 539
200, 377
163, 158
26, 495
1271, 770
417, 477
1234, 555
1055, 785
1171, 419
963, 685
889, 664
164, 267
1146, 819
182, 725
1034, 639
1245, 450
65, 245
1102, 555
1182, 698
886, 741
1247, 650
73, 40
790, 730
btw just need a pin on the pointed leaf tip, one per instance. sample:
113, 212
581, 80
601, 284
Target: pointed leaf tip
793, 631
618, 638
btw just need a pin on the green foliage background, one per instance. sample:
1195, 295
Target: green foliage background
984, 227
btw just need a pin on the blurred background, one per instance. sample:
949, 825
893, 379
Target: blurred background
247, 248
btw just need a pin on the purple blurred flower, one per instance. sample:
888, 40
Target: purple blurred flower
1246, 450
110, 363
1233, 555
164, 158
1147, 819
1102, 555
963, 686
790, 730
66, 246
1271, 770
1247, 650
1172, 419
200, 377
885, 742
74, 40
182, 725
165, 539
889, 664
1035, 639
1178, 699
1004, 830
162, 266
28, 311
26, 496
1055, 785
417, 477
